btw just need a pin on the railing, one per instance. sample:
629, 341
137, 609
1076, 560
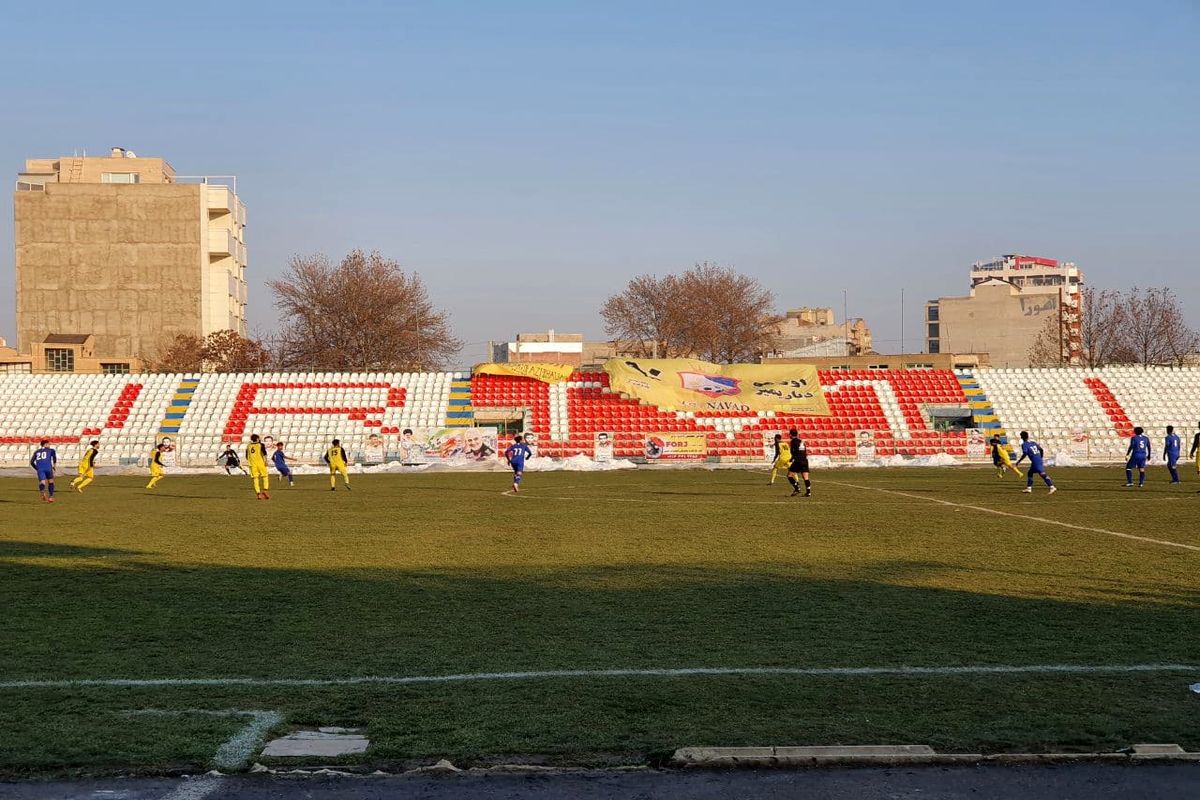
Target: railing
209, 180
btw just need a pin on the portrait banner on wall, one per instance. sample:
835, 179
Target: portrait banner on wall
1079, 443
681, 384
977, 444
435, 445
603, 446
864, 446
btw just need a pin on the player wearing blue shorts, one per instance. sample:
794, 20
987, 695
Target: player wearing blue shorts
44, 461
1138, 454
280, 461
1033, 451
515, 455
1172, 449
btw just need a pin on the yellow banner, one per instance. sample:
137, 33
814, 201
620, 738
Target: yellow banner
675, 446
682, 384
546, 373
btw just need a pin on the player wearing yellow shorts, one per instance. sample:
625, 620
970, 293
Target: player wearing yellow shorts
1195, 452
1001, 460
156, 466
335, 457
256, 461
782, 459
87, 466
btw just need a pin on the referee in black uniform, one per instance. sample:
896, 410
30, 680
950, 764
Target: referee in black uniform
799, 465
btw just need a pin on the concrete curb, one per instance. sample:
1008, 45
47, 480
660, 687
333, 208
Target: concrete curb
898, 755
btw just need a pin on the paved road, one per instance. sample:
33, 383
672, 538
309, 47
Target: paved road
1072, 782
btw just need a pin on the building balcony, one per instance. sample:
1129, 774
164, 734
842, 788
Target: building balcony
220, 198
221, 243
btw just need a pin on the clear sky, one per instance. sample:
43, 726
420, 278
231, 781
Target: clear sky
527, 158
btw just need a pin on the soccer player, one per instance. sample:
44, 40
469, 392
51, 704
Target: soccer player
335, 457
515, 455
1172, 445
44, 461
1033, 451
230, 461
256, 459
781, 460
87, 467
1001, 460
1138, 454
281, 463
1195, 451
798, 464
157, 469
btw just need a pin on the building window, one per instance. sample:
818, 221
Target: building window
115, 369
931, 313
120, 177
23, 367
60, 359
935, 346
934, 330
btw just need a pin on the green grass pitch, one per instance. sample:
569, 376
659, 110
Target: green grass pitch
443, 574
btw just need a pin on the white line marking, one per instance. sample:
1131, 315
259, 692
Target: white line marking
235, 751
1029, 517
397, 680
194, 789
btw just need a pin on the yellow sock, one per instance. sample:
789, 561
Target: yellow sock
266, 482
333, 480
83, 482
256, 489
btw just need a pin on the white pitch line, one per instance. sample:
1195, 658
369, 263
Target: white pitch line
685, 672
235, 751
1029, 517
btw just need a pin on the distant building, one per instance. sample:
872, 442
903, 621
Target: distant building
64, 352
1010, 301
552, 347
814, 332
123, 249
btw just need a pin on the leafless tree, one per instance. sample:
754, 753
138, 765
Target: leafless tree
220, 351
362, 313
1149, 315
228, 351
710, 312
1102, 325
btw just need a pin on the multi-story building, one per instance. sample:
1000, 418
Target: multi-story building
1009, 305
815, 332
122, 249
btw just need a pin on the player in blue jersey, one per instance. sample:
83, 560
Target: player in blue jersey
1033, 451
1138, 454
1172, 448
45, 460
280, 460
515, 455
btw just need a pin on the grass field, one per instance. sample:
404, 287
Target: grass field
443, 574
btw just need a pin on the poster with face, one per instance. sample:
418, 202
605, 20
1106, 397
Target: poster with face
864, 446
603, 446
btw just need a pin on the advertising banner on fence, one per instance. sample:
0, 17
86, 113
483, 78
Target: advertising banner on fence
676, 446
546, 373
682, 384
431, 445
977, 444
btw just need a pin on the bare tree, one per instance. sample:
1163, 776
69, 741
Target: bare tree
1101, 327
710, 312
220, 351
363, 313
1148, 317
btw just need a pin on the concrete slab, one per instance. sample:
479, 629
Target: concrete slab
316, 744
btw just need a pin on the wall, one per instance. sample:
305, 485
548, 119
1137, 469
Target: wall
122, 262
998, 319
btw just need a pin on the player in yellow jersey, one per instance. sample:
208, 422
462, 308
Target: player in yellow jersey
156, 466
256, 460
782, 459
335, 457
87, 466
1001, 460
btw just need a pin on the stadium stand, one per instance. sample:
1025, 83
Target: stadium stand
201, 413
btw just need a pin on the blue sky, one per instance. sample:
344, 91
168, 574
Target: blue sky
528, 158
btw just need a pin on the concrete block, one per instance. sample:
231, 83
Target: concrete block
1156, 750
316, 744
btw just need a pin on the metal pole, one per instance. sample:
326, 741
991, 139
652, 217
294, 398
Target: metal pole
902, 320
846, 321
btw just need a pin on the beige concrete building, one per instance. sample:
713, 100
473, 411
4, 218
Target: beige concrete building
814, 332
65, 352
1011, 300
122, 249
